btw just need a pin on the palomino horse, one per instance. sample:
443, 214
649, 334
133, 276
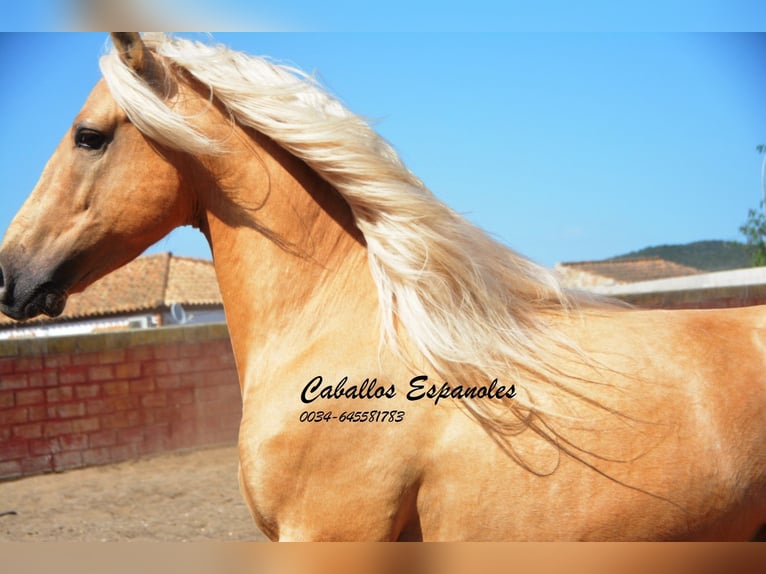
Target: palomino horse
403, 375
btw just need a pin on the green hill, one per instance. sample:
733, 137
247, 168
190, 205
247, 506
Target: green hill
705, 255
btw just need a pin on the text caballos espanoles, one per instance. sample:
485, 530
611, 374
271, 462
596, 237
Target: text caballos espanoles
418, 389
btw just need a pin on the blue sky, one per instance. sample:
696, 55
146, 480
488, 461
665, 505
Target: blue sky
566, 146
396, 15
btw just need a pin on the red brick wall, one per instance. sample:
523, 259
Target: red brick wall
70, 402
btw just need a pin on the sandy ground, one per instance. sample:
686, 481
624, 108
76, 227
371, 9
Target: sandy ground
191, 496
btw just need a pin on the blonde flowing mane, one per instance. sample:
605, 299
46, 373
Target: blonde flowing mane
469, 304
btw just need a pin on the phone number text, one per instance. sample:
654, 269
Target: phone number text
352, 416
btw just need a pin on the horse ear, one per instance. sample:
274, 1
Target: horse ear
130, 48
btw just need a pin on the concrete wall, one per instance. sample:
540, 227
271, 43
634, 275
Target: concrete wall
736, 288
69, 402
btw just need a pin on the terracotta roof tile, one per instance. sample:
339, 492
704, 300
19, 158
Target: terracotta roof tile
152, 282
191, 282
618, 271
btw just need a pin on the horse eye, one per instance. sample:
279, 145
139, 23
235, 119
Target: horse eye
89, 139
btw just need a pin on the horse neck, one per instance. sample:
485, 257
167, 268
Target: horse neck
287, 253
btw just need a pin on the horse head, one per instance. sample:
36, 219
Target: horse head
106, 194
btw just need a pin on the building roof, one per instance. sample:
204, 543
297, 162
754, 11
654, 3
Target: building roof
584, 274
149, 283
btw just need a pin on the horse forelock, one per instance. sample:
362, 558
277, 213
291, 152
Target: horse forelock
470, 305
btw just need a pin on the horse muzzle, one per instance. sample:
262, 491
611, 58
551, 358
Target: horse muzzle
24, 298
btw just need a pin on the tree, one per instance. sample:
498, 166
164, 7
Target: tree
761, 149
754, 228
754, 231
